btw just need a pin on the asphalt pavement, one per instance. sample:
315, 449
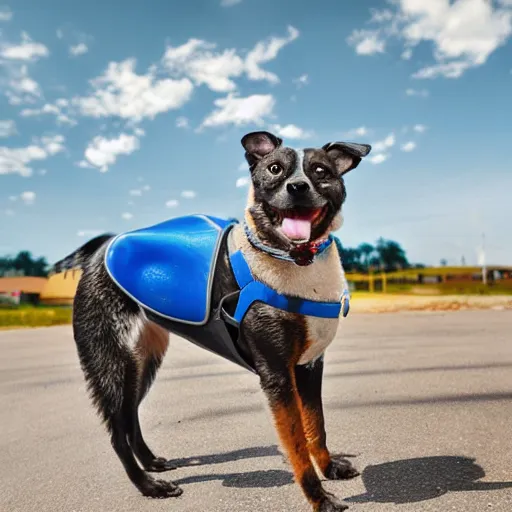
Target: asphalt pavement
423, 399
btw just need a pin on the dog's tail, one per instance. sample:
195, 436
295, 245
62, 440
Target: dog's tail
82, 255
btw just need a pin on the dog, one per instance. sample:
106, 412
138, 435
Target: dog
275, 285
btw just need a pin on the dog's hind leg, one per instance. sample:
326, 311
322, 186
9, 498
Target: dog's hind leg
106, 326
309, 386
149, 352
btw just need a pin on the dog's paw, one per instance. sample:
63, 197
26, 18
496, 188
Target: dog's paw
160, 465
340, 469
160, 489
331, 504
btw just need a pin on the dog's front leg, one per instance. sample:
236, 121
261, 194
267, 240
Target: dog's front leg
309, 386
280, 388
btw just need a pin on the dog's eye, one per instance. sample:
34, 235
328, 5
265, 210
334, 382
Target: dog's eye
320, 171
275, 169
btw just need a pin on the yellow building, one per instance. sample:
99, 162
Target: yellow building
60, 288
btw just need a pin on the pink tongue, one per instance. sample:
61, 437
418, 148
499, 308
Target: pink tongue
296, 229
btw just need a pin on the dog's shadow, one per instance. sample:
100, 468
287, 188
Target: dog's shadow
246, 480
414, 480
252, 479
220, 458
399, 482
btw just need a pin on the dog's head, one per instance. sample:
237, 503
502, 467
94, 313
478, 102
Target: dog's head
297, 195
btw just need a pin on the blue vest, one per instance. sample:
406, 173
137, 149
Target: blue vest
168, 270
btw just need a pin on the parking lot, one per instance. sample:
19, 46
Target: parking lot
423, 399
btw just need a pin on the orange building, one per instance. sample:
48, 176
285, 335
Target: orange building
22, 288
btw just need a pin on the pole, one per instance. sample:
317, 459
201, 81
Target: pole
484, 268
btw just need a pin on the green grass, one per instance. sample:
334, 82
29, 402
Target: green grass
34, 317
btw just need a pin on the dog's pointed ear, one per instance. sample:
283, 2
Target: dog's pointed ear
259, 144
346, 155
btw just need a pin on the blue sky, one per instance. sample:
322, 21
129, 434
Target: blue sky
115, 119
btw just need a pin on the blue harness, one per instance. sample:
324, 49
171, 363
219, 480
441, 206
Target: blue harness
168, 269
252, 291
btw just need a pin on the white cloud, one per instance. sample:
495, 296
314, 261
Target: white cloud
384, 144
28, 197
240, 111
454, 69
48, 108
78, 49
172, 203
379, 158
420, 128
9, 212
127, 216
199, 61
182, 122
42, 172
242, 182
409, 146
7, 128
196, 60
121, 92
301, 81
103, 152
84, 165
243, 166
422, 93
13, 198
15, 160
356, 132
22, 88
407, 54
463, 33
229, 3
53, 144
5, 13
367, 42
265, 51
89, 233
137, 192
27, 50
381, 15
59, 33
188, 194
290, 131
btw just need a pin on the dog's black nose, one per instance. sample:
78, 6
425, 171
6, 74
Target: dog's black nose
297, 188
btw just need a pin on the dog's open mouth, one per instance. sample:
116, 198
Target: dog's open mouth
298, 223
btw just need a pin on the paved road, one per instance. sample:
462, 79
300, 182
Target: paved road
424, 399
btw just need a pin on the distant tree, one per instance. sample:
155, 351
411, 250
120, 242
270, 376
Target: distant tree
391, 255
23, 263
5, 264
443, 262
349, 257
366, 252
386, 255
